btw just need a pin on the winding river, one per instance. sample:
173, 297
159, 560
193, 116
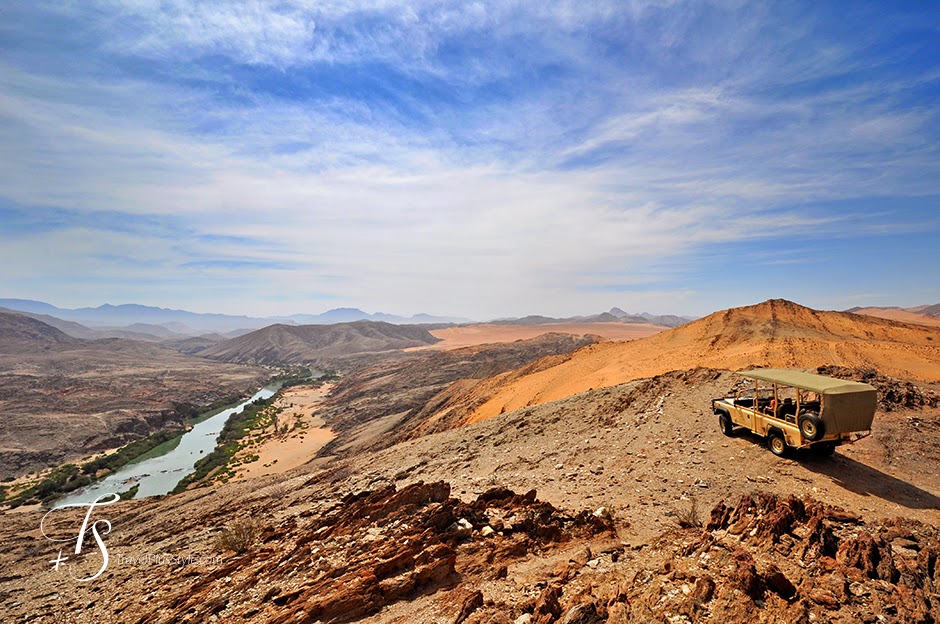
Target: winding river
159, 470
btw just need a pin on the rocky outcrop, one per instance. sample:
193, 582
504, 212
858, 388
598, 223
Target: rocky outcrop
760, 559
766, 558
893, 393
374, 549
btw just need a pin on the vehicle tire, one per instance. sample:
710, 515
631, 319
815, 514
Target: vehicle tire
826, 449
725, 424
811, 426
777, 444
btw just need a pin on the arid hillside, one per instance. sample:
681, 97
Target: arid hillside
305, 344
378, 405
22, 334
619, 505
776, 333
63, 397
486, 333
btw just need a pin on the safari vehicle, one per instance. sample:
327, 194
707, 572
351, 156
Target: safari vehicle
792, 409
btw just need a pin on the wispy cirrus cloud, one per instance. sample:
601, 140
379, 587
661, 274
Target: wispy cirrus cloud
491, 158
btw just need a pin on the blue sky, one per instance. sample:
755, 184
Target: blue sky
480, 159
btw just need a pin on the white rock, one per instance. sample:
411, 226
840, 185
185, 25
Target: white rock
602, 512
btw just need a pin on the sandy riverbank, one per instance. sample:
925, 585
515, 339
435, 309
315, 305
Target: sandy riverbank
308, 433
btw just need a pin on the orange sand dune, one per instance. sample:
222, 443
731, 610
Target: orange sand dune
486, 333
775, 333
905, 316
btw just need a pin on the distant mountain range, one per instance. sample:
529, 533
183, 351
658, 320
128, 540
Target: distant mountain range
921, 315
155, 322
614, 315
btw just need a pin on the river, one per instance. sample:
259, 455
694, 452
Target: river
159, 471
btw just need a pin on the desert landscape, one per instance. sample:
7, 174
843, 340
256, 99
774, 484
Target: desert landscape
485, 333
599, 490
435, 312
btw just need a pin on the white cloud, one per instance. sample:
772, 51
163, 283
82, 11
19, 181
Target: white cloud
535, 201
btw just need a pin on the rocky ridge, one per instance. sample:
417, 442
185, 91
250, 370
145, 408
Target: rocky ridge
893, 393
417, 554
22, 334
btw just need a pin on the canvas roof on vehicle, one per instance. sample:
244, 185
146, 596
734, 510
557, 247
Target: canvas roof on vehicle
807, 381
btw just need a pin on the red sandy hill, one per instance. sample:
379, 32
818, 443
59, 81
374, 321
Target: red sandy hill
775, 333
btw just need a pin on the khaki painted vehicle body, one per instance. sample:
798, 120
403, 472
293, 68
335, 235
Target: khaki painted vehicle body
818, 412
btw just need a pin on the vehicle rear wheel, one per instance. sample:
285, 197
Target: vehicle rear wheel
811, 427
725, 424
825, 449
777, 444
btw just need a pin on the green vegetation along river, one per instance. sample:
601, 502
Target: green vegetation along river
159, 473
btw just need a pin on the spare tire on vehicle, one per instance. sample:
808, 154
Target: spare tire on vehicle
811, 426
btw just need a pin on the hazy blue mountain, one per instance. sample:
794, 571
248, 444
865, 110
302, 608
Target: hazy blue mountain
28, 305
156, 321
348, 315
667, 320
613, 316
932, 310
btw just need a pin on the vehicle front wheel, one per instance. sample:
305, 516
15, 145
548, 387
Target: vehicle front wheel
777, 444
725, 424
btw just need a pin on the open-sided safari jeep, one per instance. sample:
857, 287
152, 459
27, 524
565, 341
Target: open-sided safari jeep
792, 409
